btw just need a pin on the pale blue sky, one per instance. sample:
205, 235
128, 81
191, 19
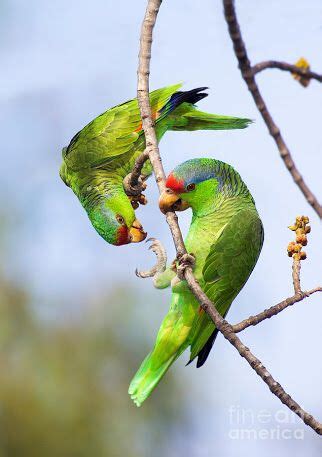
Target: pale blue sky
63, 63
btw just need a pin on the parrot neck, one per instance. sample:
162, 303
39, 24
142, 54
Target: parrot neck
213, 195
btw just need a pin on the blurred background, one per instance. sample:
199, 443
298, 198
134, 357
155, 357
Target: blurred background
75, 321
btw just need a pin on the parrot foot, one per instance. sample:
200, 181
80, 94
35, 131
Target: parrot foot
173, 265
135, 192
185, 261
161, 264
137, 200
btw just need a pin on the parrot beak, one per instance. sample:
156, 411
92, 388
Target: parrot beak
170, 201
136, 232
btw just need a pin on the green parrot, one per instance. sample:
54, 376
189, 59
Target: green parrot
225, 237
100, 156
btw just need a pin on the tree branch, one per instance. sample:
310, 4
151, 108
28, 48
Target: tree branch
152, 147
274, 310
296, 269
286, 67
248, 76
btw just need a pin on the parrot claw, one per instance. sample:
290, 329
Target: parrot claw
161, 264
186, 261
135, 193
144, 185
137, 200
173, 265
134, 204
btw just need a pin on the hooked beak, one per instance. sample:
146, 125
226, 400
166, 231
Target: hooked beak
170, 201
136, 232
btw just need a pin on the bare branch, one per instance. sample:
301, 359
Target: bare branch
151, 142
248, 76
228, 332
296, 269
273, 310
286, 67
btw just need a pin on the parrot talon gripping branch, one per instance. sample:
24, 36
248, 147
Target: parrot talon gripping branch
185, 261
146, 378
134, 190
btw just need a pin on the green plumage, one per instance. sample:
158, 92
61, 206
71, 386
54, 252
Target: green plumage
226, 237
104, 151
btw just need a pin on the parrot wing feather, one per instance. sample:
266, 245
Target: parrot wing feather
113, 133
228, 265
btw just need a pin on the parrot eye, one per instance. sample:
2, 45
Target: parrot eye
119, 219
190, 187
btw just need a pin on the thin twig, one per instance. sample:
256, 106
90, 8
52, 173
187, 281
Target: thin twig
296, 269
151, 143
274, 310
248, 76
286, 67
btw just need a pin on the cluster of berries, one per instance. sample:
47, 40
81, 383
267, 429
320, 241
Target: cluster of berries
301, 229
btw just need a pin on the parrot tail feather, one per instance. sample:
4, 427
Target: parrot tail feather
205, 351
148, 377
193, 119
189, 96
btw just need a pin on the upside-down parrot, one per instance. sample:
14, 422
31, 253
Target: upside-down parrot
99, 157
225, 237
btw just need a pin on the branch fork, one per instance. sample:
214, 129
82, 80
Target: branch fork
248, 72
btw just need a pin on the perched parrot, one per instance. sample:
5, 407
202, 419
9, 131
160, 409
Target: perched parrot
100, 156
225, 237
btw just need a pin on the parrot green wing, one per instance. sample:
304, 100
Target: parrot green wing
228, 265
113, 133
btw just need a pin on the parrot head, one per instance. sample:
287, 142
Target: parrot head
114, 219
190, 185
